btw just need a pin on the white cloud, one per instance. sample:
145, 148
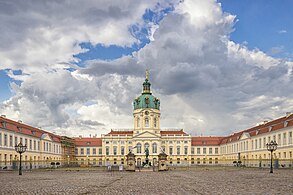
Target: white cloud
36, 34
282, 31
207, 83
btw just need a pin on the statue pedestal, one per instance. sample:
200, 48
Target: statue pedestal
130, 162
162, 162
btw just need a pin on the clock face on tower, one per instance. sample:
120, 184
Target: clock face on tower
146, 113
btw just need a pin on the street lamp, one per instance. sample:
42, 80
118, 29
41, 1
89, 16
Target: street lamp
272, 146
20, 149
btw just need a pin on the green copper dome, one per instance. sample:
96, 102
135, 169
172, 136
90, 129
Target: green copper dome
146, 99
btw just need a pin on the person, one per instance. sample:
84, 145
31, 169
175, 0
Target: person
121, 167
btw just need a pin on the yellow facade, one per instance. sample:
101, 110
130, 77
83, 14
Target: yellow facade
248, 146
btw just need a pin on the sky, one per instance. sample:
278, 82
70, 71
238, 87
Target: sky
74, 68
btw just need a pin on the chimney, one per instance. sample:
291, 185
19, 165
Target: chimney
288, 114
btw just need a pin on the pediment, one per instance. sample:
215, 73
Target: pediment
146, 134
244, 136
45, 136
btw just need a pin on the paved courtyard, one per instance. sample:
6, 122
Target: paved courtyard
198, 181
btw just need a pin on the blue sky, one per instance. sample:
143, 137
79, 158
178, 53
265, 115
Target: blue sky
263, 24
208, 78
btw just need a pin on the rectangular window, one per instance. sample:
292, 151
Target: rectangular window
25, 142
185, 150
88, 152
256, 144
290, 138
204, 151
198, 150
217, 150
279, 139
107, 150
35, 145
274, 137
264, 142
284, 138
15, 140
259, 142
39, 145
10, 141
76, 151
94, 151
210, 150
82, 151
100, 151
31, 145
5, 140
192, 150
0, 138
269, 139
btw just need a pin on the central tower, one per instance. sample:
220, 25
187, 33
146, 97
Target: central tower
146, 110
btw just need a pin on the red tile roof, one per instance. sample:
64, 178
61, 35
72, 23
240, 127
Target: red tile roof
120, 132
209, 141
87, 141
273, 125
181, 132
22, 128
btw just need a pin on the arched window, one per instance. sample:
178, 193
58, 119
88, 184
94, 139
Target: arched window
154, 146
146, 145
138, 122
146, 122
138, 148
155, 122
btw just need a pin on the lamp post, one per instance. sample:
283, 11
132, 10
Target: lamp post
272, 146
20, 149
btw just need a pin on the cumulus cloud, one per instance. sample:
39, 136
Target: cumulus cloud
207, 84
36, 34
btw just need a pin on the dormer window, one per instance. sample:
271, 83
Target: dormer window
19, 129
155, 122
286, 123
270, 128
3, 123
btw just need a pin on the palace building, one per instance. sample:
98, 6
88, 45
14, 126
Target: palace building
247, 147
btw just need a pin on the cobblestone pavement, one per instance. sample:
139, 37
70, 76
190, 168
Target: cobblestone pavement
198, 181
